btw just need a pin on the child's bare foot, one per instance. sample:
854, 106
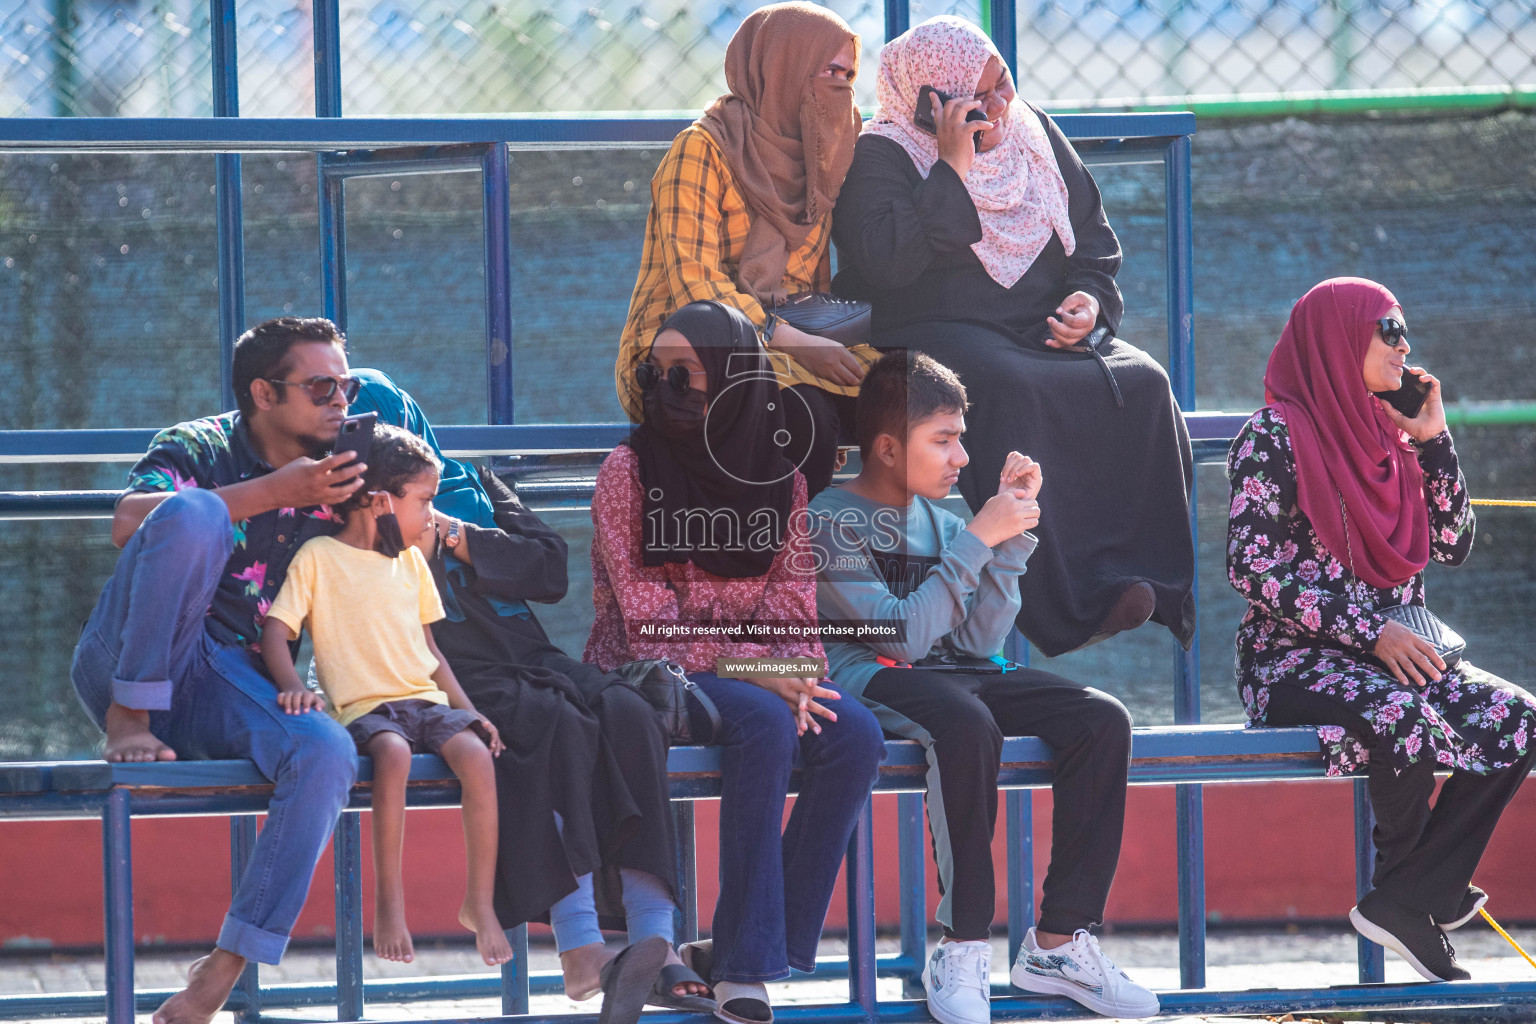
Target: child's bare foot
490, 939
582, 968
209, 982
391, 937
129, 738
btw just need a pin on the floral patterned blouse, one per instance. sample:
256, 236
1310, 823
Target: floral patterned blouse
214, 452
1312, 622
636, 603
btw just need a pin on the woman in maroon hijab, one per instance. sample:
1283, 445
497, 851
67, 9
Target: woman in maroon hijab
1338, 503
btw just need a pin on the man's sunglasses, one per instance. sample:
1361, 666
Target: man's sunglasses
320, 389
1392, 331
649, 375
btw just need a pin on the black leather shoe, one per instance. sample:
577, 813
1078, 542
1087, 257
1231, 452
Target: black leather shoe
1471, 903
1410, 934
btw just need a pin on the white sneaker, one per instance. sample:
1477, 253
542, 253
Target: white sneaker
1080, 970
957, 978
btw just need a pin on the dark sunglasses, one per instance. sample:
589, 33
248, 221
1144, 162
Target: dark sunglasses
320, 389
1392, 331
649, 376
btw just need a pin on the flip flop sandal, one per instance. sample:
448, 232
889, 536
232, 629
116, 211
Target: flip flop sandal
627, 980
673, 975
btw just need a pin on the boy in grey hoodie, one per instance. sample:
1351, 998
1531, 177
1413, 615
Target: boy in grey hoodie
915, 605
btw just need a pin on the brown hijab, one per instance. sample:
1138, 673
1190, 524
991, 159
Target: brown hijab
787, 132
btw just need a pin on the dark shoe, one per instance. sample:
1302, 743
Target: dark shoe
628, 979
673, 975
1471, 903
1135, 607
1410, 934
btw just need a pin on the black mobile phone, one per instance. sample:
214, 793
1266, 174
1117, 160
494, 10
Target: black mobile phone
923, 115
356, 436
1409, 398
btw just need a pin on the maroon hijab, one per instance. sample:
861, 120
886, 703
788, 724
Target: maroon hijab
1343, 442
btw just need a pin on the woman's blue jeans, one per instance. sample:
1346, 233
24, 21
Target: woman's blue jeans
145, 647
774, 890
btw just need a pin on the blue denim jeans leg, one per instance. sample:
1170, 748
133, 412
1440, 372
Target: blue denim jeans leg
774, 890
145, 646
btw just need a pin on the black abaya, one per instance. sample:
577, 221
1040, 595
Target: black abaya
1115, 506
580, 742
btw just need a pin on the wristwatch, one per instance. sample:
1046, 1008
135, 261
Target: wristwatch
451, 541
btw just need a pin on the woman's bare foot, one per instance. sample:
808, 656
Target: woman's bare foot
209, 982
391, 937
687, 988
583, 968
490, 939
129, 738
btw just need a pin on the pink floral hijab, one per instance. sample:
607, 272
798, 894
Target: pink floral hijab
1016, 186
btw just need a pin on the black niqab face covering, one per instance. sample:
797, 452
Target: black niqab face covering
717, 489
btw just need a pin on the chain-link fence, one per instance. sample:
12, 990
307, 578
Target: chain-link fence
152, 57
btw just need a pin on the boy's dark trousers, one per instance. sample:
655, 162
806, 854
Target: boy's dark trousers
961, 720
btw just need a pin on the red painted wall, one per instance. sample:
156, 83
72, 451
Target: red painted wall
1273, 851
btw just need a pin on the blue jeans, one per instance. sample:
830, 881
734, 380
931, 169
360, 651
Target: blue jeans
145, 647
774, 891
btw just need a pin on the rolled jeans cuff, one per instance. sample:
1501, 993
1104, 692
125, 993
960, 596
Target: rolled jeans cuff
141, 695
250, 942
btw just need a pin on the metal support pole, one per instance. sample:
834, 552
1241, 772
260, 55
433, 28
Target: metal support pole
1003, 27
1181, 373
1021, 867
898, 17
117, 877
242, 837
861, 915
687, 872
347, 845
498, 284
226, 103
326, 18
333, 246
1372, 957
514, 975
914, 889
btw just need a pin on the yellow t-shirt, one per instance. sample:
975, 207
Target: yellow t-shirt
364, 613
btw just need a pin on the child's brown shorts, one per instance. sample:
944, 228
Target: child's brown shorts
424, 724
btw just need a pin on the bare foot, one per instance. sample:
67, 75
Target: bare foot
129, 738
687, 988
209, 982
582, 968
490, 939
391, 937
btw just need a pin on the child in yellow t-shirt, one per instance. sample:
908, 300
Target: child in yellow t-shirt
367, 597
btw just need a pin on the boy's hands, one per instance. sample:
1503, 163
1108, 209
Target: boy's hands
495, 735
296, 702
1013, 509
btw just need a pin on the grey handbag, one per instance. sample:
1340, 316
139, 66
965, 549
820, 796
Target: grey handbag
1426, 625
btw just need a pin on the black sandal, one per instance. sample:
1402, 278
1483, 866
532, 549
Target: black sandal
627, 980
673, 975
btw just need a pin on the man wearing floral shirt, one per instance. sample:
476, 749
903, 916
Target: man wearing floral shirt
167, 665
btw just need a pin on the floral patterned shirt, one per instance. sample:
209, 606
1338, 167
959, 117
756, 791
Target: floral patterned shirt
1298, 593
635, 602
214, 452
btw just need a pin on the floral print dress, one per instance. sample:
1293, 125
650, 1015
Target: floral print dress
1312, 622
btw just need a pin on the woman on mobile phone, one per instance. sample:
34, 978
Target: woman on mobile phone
984, 244
741, 213
1338, 503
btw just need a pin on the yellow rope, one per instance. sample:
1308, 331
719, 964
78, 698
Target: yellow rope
1506, 502
1507, 939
